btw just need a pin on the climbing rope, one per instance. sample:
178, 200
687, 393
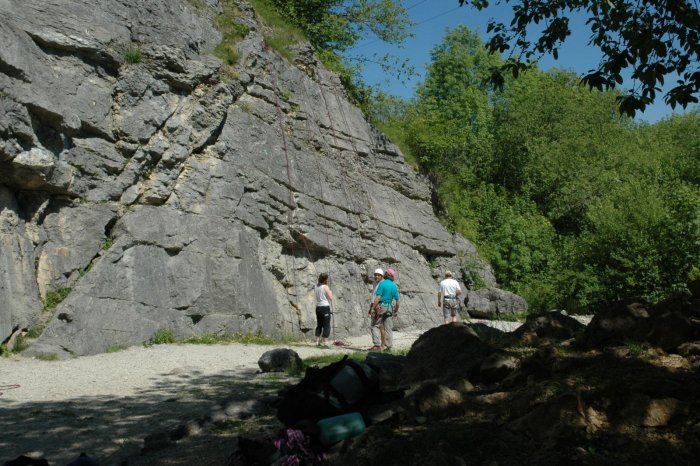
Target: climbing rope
292, 201
350, 198
364, 189
4, 388
322, 201
363, 182
290, 222
325, 213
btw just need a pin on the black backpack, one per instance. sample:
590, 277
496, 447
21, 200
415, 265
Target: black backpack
341, 387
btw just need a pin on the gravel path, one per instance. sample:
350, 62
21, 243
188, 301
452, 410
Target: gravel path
105, 405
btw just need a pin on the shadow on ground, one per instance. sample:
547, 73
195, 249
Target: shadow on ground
113, 429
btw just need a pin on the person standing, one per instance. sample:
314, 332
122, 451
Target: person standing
377, 337
448, 297
324, 298
386, 305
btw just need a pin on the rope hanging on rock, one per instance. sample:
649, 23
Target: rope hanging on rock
373, 213
292, 201
389, 255
350, 198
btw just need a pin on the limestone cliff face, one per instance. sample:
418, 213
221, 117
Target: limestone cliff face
168, 195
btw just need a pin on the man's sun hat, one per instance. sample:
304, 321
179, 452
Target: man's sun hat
379, 272
391, 272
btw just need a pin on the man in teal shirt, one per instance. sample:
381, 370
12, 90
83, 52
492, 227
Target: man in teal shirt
386, 304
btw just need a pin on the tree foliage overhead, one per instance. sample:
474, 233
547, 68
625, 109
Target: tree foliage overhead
339, 24
655, 39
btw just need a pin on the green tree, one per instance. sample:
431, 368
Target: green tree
677, 146
556, 144
642, 240
451, 123
616, 193
510, 232
656, 39
450, 128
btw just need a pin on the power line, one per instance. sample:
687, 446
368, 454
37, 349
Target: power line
415, 5
437, 16
415, 26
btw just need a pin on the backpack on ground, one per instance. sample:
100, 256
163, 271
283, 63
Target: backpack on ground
341, 387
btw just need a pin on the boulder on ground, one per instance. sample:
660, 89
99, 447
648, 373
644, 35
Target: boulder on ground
279, 360
666, 325
447, 352
553, 325
488, 303
491, 335
617, 324
497, 367
389, 367
435, 400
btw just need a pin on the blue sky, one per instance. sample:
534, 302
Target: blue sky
433, 17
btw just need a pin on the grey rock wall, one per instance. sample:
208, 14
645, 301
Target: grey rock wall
168, 195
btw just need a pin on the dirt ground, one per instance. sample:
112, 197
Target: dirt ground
106, 405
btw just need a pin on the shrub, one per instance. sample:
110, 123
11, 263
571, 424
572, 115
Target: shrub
133, 55
53, 298
246, 338
163, 336
231, 32
47, 356
282, 35
115, 348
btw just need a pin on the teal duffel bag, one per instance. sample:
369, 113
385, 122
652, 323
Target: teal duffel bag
337, 428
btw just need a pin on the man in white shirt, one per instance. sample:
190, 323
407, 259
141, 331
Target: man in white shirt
448, 298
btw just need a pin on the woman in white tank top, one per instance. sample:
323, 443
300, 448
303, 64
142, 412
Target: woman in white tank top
324, 297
